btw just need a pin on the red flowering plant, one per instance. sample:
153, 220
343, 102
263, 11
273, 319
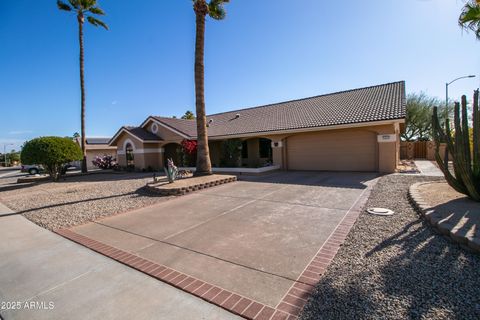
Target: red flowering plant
189, 146
189, 152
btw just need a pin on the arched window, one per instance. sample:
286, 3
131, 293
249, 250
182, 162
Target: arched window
129, 155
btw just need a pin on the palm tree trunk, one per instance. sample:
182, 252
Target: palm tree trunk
204, 166
82, 89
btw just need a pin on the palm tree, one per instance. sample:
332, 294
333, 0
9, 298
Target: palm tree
214, 9
470, 17
83, 9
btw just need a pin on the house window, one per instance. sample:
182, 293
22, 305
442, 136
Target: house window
129, 155
245, 149
265, 148
154, 128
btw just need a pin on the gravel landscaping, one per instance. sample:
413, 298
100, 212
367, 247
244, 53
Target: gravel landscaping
77, 200
397, 267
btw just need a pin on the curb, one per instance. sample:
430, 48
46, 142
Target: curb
439, 222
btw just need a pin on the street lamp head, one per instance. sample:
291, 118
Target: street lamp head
464, 77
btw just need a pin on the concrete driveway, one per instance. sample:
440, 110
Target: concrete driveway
254, 237
43, 276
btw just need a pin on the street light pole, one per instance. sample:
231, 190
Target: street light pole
5, 153
446, 92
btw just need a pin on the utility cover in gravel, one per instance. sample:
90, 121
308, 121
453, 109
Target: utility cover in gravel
397, 267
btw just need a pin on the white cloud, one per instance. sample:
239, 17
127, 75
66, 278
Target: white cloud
114, 102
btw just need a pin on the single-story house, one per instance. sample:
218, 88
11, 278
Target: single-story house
97, 146
354, 130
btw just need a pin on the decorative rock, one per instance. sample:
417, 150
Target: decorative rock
474, 244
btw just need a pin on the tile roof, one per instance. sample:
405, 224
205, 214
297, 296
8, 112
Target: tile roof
142, 134
186, 127
97, 140
376, 103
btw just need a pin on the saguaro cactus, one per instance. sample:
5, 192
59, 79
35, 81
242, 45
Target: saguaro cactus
466, 158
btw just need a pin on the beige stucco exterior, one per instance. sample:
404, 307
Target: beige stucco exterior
94, 150
353, 147
332, 151
254, 159
348, 149
146, 155
163, 132
409, 150
215, 148
92, 153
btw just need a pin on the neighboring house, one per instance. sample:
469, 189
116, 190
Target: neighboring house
355, 130
97, 147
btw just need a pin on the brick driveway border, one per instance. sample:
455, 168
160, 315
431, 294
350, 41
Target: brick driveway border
289, 307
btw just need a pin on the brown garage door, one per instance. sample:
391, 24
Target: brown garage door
349, 150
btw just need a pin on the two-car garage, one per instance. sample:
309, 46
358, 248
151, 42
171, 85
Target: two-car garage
334, 150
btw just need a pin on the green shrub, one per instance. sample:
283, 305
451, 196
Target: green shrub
231, 153
52, 153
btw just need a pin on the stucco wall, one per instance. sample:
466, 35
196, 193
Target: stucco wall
122, 160
164, 133
254, 160
387, 153
215, 148
145, 154
408, 150
91, 154
123, 138
153, 160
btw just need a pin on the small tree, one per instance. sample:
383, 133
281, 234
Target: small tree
188, 115
52, 153
419, 117
231, 152
14, 156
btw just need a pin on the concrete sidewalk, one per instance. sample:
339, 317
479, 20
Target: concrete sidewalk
427, 168
5, 211
62, 280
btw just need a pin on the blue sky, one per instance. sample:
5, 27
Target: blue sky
265, 51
